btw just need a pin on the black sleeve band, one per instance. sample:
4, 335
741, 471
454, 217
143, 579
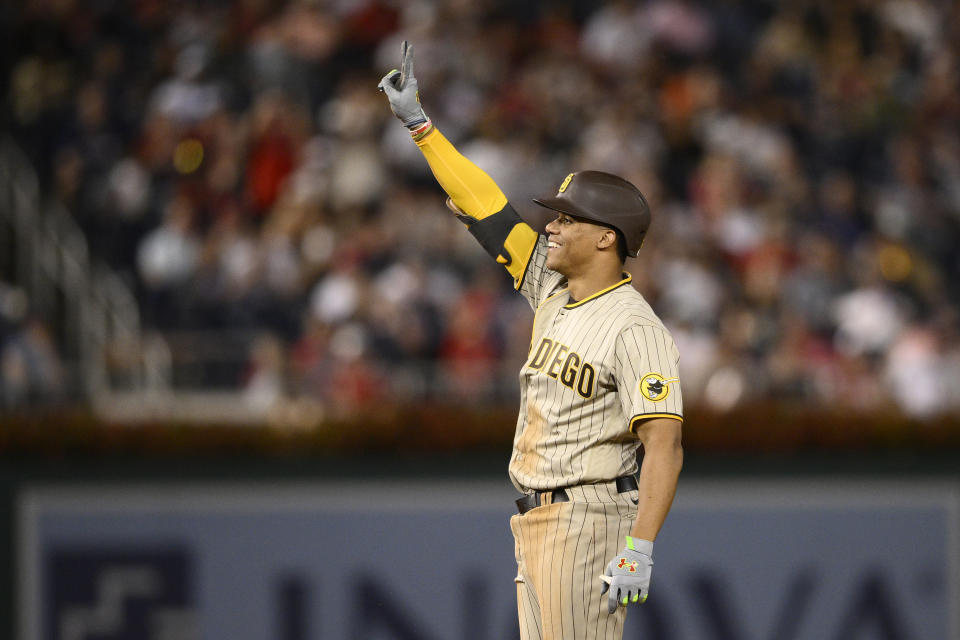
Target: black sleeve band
492, 231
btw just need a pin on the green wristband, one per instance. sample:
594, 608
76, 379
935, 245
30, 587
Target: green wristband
640, 545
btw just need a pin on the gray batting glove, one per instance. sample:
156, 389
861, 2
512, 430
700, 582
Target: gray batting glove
627, 576
401, 89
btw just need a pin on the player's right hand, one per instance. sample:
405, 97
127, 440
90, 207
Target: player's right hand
401, 89
627, 576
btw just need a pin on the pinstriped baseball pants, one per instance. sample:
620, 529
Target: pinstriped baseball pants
561, 550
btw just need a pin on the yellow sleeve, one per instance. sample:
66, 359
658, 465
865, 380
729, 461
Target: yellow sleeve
487, 214
471, 189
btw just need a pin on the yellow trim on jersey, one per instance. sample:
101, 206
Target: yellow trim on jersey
520, 238
470, 188
518, 282
601, 292
647, 416
545, 300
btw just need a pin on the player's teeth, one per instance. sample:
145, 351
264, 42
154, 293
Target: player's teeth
552, 245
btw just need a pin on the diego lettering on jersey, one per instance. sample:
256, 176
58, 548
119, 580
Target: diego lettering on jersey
560, 363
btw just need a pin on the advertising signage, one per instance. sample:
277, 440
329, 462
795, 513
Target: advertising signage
750, 560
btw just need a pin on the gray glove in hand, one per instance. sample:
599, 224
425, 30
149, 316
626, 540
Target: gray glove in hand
627, 576
401, 89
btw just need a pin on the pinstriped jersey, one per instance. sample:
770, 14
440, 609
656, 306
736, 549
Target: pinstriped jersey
595, 368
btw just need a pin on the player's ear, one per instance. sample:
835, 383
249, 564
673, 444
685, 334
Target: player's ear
607, 239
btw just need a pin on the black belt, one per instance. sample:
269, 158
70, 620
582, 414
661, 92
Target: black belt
535, 499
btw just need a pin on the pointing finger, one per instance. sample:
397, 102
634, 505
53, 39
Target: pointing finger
406, 64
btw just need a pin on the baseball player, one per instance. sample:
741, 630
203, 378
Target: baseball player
600, 380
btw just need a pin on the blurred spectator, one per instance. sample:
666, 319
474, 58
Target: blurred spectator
615, 36
468, 350
277, 134
167, 258
31, 373
265, 385
913, 370
187, 98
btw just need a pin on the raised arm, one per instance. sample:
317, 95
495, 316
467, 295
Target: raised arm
476, 199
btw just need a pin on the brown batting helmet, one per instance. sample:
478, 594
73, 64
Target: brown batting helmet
606, 199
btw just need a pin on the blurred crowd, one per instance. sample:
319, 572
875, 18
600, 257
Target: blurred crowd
31, 371
235, 162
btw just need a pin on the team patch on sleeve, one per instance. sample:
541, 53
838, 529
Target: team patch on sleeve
654, 387
647, 372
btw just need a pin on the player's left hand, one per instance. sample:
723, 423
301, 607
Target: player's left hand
402, 91
627, 576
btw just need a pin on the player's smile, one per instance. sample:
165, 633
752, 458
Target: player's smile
569, 243
553, 252
555, 243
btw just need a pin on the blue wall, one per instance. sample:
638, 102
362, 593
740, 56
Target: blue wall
818, 559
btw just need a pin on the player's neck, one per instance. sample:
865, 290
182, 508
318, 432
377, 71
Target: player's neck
582, 286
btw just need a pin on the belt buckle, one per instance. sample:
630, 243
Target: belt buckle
626, 483
533, 500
